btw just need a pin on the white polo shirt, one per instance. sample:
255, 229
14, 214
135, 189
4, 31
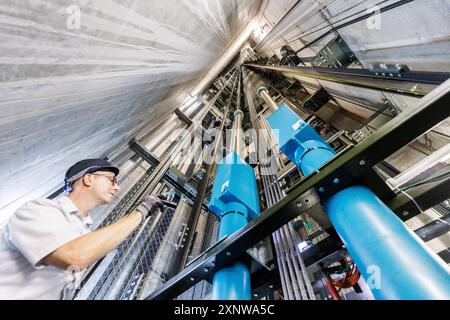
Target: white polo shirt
36, 229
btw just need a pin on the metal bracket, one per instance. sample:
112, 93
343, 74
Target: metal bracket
183, 117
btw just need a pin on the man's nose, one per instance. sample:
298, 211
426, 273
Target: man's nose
116, 187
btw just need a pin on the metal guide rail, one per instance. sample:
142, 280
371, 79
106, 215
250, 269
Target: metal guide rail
413, 83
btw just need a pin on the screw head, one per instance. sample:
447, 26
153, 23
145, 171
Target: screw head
362, 162
228, 253
405, 213
206, 269
192, 278
299, 204
336, 180
321, 189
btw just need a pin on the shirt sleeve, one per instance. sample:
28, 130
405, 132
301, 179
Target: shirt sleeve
37, 229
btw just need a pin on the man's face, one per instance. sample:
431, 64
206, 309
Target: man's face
104, 186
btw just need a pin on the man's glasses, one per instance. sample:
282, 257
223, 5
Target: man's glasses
112, 179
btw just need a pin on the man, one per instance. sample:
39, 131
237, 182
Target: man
47, 244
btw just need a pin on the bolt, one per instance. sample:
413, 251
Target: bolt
255, 294
321, 189
336, 180
206, 269
405, 213
362, 162
228, 253
270, 286
192, 279
299, 204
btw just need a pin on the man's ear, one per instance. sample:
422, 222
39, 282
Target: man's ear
87, 180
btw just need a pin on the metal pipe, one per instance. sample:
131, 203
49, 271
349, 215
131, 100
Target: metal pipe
286, 284
309, 287
293, 270
263, 92
236, 135
440, 155
238, 96
293, 254
288, 242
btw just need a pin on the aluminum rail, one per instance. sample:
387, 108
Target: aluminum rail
417, 84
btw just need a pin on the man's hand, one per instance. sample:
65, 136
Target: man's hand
149, 205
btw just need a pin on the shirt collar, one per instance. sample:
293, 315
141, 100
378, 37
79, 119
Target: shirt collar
70, 207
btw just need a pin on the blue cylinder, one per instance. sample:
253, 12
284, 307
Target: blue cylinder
230, 223
232, 283
315, 155
392, 259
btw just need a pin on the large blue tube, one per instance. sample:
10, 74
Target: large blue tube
315, 155
232, 283
230, 223
394, 261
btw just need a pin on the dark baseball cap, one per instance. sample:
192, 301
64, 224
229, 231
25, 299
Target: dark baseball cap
85, 166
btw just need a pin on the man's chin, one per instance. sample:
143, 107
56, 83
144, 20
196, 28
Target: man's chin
108, 200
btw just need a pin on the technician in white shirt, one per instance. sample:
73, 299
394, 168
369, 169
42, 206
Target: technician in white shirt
46, 245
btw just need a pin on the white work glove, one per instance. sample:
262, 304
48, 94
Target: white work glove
149, 205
